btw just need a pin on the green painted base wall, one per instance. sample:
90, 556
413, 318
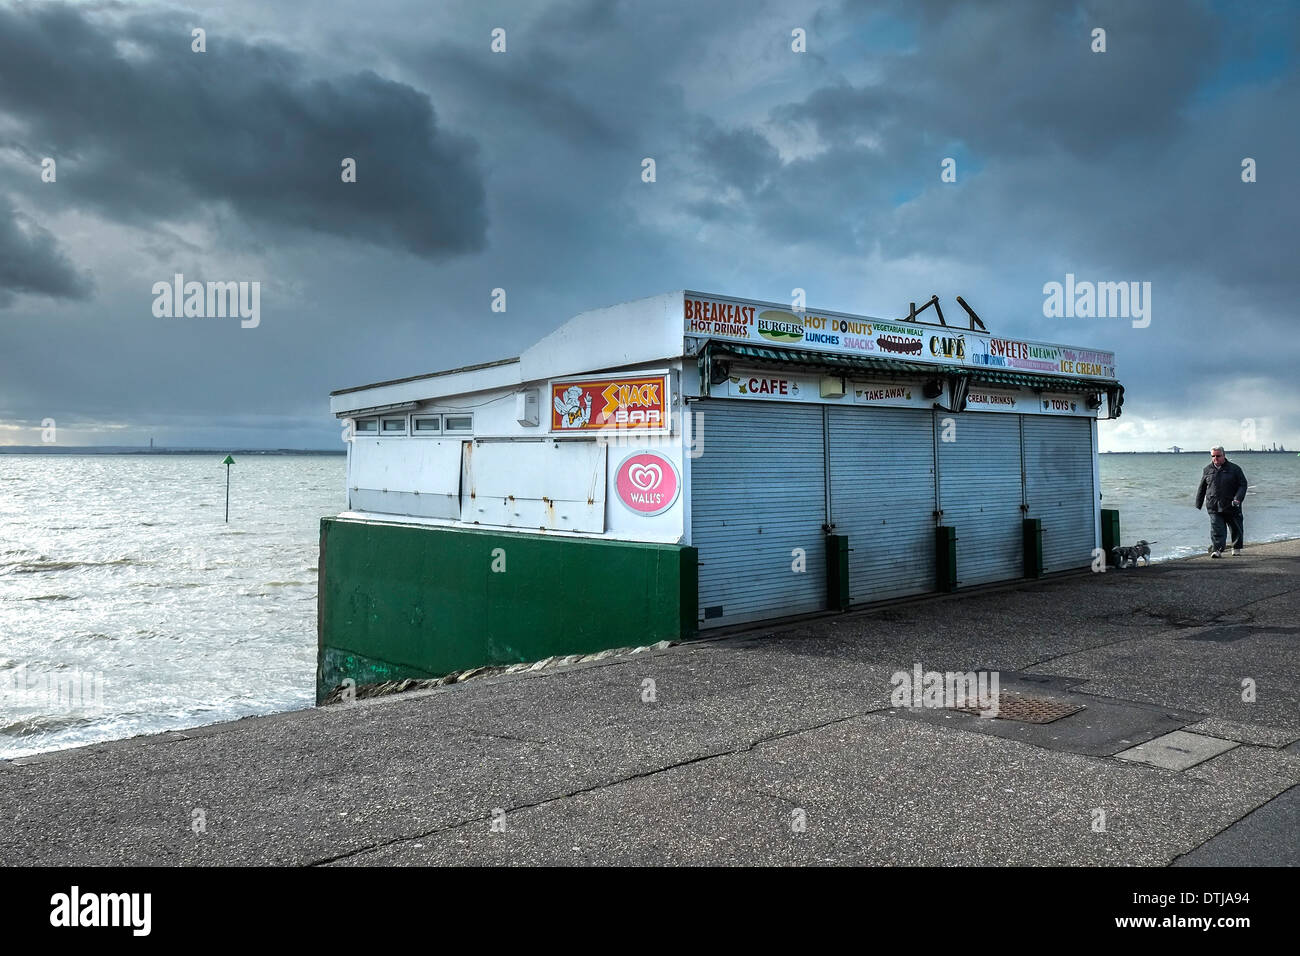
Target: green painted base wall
398, 601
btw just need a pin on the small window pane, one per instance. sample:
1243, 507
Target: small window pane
395, 426
367, 425
459, 423
428, 423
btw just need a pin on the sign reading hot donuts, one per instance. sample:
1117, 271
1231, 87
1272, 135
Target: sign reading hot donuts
638, 404
647, 483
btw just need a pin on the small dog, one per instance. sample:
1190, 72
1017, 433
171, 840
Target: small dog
1125, 557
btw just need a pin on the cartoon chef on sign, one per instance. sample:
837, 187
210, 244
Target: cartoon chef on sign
574, 407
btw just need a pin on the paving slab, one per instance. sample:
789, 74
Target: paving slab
1178, 750
1244, 733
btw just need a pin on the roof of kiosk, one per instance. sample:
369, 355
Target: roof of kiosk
686, 323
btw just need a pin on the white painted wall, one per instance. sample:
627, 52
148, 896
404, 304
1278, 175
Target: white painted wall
411, 474
620, 335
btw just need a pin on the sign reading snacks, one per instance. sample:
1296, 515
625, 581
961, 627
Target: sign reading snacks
760, 323
633, 403
647, 483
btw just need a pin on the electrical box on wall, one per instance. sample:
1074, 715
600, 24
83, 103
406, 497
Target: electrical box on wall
526, 407
832, 386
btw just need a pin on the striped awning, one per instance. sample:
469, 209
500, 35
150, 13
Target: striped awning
894, 368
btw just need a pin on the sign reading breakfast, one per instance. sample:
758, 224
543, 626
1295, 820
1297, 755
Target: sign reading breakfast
765, 324
647, 483
637, 404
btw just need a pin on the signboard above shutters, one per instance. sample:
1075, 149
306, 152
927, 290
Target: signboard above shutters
764, 323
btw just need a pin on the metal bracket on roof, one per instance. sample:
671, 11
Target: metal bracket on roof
913, 311
974, 319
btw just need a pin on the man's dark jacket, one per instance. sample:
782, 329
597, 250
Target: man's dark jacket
1220, 487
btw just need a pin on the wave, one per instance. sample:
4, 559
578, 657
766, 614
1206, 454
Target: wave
42, 724
46, 567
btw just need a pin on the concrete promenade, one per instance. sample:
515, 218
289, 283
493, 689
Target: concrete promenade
775, 746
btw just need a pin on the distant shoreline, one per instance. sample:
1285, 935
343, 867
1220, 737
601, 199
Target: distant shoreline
1193, 451
133, 450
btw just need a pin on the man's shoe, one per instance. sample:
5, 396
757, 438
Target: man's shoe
1236, 550
1217, 554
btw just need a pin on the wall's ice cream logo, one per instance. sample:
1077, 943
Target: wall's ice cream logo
624, 403
777, 326
647, 483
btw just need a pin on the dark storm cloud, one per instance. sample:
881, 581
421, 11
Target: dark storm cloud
1114, 157
31, 261
1021, 76
145, 130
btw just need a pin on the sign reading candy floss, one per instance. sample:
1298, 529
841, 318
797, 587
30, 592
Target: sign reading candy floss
647, 483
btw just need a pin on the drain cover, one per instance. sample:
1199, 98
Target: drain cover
1029, 710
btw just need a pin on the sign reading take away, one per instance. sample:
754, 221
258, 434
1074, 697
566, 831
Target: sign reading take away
637, 403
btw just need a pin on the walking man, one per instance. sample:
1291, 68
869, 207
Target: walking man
1222, 489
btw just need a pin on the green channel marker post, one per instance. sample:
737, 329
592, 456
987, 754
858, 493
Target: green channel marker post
228, 462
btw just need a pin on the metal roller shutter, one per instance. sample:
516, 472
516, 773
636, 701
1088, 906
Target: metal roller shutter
882, 497
980, 493
758, 491
1058, 488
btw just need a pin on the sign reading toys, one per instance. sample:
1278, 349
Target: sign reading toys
637, 403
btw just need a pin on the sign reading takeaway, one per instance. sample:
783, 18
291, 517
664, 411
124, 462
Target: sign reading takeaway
762, 323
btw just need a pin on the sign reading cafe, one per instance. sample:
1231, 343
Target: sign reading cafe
766, 324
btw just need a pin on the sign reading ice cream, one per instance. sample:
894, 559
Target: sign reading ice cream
647, 483
640, 404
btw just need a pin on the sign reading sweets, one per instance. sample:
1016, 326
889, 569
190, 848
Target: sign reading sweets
634, 403
647, 483
761, 323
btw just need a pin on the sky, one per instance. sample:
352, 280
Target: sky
820, 169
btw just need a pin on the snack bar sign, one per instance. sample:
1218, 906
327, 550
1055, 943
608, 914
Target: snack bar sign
628, 403
762, 324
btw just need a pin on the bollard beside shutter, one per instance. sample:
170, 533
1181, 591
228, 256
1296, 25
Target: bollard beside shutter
1032, 529
945, 563
1109, 531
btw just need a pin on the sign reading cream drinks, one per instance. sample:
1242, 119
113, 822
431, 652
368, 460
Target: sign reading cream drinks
764, 324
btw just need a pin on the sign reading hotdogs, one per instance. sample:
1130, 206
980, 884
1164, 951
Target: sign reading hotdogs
766, 324
637, 403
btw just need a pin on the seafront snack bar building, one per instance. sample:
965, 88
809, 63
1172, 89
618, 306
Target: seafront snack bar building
690, 461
